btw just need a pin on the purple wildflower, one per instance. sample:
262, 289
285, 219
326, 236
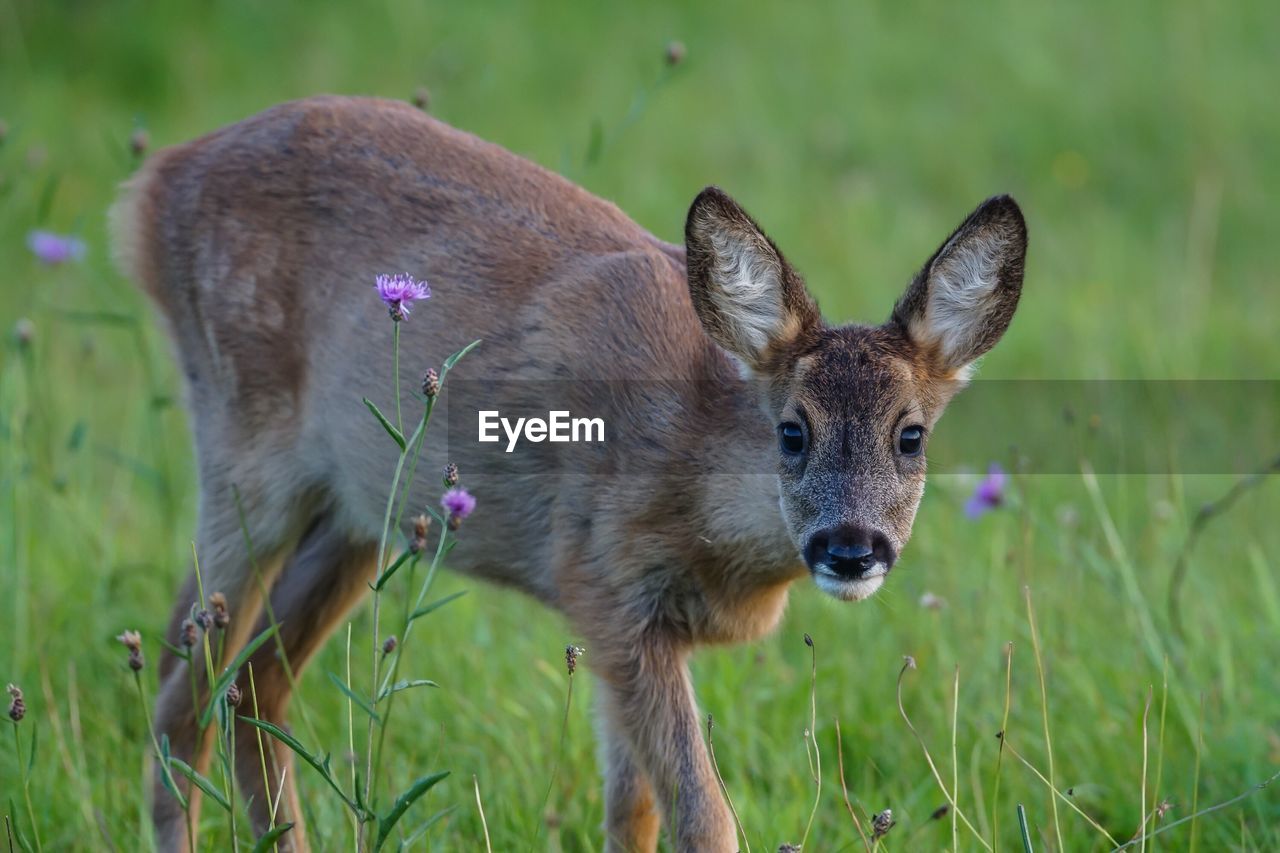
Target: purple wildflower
54, 249
458, 502
988, 495
399, 292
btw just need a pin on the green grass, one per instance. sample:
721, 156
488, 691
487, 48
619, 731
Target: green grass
1141, 140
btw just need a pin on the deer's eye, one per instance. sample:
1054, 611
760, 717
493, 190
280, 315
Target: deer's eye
791, 438
911, 441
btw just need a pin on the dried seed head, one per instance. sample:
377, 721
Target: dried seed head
135, 660
233, 695
940, 812
909, 661
419, 542
430, 383
450, 475
930, 601
221, 618
421, 98
881, 824
17, 706
675, 52
139, 142
1163, 809
808, 641
571, 654
788, 848
131, 640
204, 619
389, 644
24, 332
187, 634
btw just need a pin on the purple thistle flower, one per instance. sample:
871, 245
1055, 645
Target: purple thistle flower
399, 292
988, 495
53, 249
458, 502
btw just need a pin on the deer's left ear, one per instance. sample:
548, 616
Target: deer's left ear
960, 304
749, 299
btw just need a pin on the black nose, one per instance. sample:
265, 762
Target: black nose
849, 552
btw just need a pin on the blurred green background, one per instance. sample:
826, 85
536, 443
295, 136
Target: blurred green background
1141, 140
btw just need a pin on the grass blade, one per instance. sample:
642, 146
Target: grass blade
321, 766
457, 356
351, 694
402, 803
396, 435
391, 570
200, 781
405, 685
1026, 833
427, 824
229, 674
269, 839
435, 605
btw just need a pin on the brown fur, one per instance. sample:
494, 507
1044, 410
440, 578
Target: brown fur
259, 244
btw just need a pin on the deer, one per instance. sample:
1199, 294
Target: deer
766, 445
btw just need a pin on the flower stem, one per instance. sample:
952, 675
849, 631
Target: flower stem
390, 677
412, 449
395, 349
164, 765
26, 786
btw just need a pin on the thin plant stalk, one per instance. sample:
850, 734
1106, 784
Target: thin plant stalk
417, 604
369, 783
1142, 793
389, 678
229, 768
857, 824
1004, 727
724, 789
1044, 710
1202, 812
164, 765
910, 663
1195, 787
262, 756
564, 731
1056, 793
475, 780
813, 735
1164, 706
395, 357
26, 785
351, 743
955, 761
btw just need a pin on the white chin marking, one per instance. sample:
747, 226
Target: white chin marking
850, 590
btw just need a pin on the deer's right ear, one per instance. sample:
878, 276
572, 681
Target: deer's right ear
960, 304
750, 301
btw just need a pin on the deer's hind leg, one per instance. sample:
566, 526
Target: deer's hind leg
227, 567
321, 581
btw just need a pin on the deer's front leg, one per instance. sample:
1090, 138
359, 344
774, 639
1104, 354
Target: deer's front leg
648, 704
631, 812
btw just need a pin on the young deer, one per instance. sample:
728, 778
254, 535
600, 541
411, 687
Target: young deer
758, 442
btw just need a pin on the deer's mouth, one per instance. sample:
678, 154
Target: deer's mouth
848, 588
